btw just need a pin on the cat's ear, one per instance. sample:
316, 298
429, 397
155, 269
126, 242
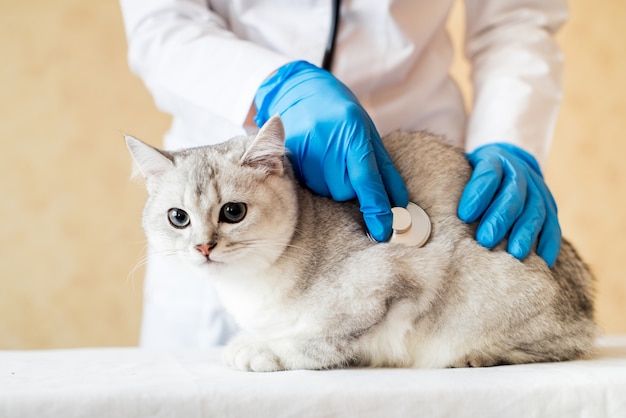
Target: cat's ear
150, 162
267, 150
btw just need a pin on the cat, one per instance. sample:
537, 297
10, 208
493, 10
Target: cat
310, 290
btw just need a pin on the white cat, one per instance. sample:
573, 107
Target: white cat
311, 291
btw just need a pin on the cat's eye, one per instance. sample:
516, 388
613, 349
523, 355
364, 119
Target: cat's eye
178, 218
233, 212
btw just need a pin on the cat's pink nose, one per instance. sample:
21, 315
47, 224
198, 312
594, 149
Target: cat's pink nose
205, 249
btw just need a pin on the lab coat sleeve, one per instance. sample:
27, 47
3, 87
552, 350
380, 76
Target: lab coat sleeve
191, 62
516, 72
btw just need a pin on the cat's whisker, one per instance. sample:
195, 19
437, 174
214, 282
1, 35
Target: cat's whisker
142, 260
260, 243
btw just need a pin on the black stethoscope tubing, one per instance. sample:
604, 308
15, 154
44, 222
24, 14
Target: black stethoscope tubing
329, 53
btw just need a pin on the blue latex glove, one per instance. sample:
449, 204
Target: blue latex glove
507, 190
334, 146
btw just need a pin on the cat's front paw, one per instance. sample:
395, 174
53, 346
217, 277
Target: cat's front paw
247, 354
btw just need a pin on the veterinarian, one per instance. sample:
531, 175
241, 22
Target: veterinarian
224, 68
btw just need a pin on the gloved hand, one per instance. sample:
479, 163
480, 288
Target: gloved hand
507, 190
334, 146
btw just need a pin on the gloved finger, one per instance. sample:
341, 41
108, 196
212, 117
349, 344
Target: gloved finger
527, 227
315, 181
297, 169
549, 199
549, 243
307, 173
306, 165
394, 184
480, 189
336, 178
370, 190
505, 208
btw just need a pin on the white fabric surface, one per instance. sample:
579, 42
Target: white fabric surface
134, 382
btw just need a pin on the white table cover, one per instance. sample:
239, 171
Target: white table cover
131, 382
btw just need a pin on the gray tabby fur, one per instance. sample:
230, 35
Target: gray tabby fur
311, 291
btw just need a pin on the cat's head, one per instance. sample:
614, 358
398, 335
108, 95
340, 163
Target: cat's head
226, 207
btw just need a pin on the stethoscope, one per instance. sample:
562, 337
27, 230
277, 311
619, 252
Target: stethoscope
411, 225
329, 53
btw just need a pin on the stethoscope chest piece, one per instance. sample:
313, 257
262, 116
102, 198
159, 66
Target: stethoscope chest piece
411, 226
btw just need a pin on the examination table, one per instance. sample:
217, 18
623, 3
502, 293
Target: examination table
133, 382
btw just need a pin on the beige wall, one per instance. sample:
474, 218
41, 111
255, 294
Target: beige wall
69, 217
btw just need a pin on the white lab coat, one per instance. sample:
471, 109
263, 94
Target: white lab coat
203, 62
